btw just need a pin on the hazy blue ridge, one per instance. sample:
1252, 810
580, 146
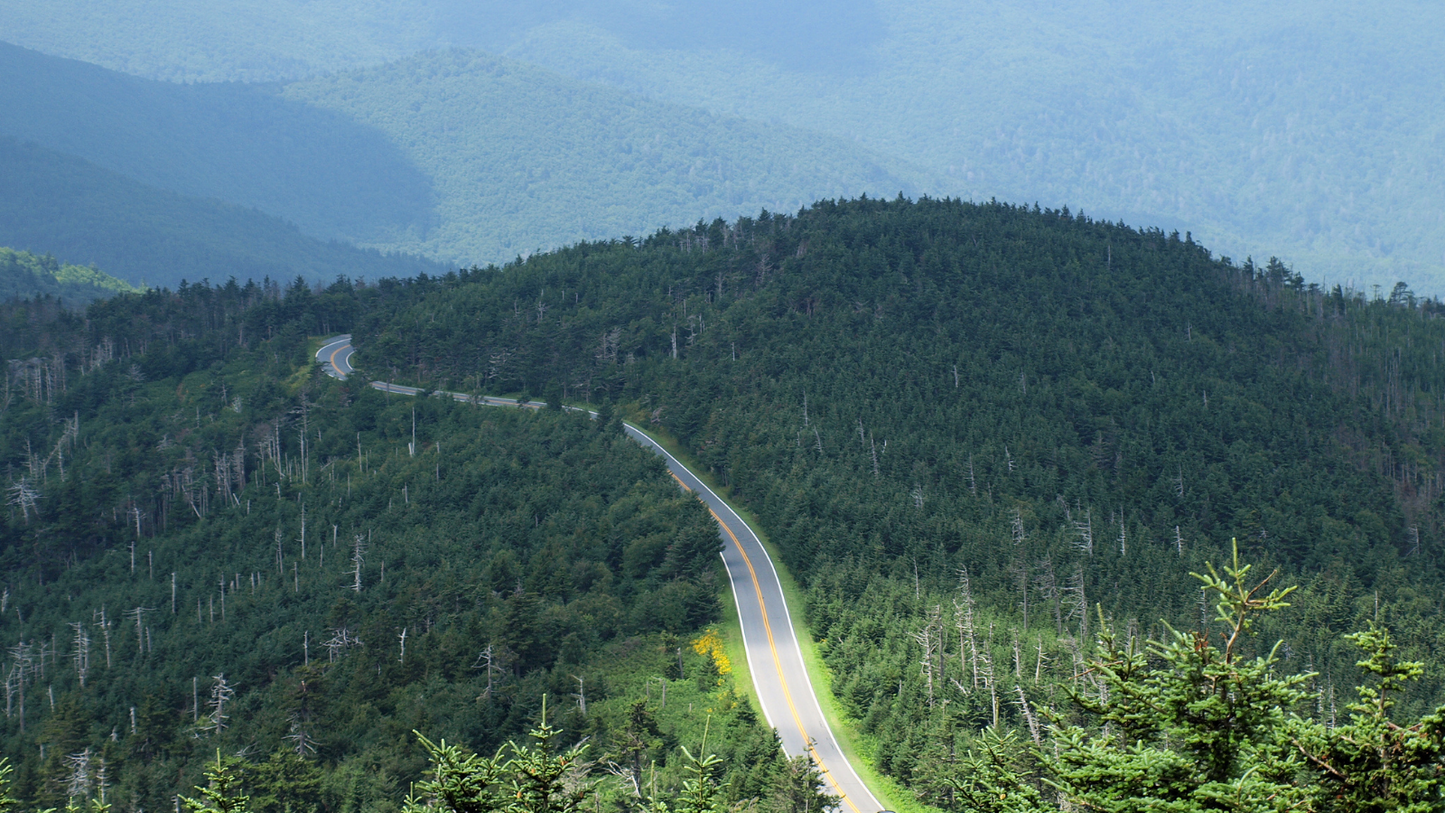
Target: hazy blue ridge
523, 159
333, 178
456, 155
83, 214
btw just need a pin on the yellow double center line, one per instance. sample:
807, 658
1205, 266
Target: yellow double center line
333, 357
772, 647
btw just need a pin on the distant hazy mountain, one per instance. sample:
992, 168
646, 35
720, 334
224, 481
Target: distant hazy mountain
522, 159
463, 157
1305, 129
83, 214
332, 177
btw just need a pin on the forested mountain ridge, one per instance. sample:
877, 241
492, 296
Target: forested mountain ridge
980, 436
82, 213
1070, 415
334, 178
459, 156
522, 158
209, 545
1261, 130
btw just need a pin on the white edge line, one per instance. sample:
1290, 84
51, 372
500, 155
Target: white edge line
733, 579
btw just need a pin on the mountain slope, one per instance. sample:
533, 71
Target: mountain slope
24, 275
980, 435
1307, 130
239, 554
949, 415
462, 157
243, 144
84, 214
522, 159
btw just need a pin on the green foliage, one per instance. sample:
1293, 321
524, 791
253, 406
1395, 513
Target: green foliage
699, 790
507, 554
530, 779
971, 430
8, 802
221, 793
1373, 763
288, 782
1203, 731
994, 778
1065, 412
544, 781
537, 778
459, 782
24, 275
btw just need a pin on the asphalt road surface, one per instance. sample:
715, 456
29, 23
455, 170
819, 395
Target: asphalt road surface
774, 657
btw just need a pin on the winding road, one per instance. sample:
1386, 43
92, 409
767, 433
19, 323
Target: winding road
774, 656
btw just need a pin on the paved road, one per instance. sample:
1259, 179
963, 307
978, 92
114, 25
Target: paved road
774, 657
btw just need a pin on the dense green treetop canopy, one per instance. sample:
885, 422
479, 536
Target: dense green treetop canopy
992, 443
934, 404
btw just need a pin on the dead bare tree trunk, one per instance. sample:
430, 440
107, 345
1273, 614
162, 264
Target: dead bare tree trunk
356, 560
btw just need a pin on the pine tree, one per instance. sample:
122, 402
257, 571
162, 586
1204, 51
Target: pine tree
994, 778
1373, 763
1204, 731
222, 793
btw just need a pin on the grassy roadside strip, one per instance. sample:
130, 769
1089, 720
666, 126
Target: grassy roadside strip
859, 749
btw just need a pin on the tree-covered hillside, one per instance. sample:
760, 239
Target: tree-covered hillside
208, 545
938, 406
334, 178
522, 159
1304, 129
457, 156
992, 443
26, 276
60, 204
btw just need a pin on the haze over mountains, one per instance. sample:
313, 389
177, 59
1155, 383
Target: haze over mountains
1305, 130
457, 156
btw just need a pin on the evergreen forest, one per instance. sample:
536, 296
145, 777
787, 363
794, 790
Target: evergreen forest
213, 548
1052, 488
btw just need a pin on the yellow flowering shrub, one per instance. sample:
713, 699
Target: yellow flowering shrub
711, 645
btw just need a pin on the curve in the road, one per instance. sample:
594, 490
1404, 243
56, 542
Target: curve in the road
768, 635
